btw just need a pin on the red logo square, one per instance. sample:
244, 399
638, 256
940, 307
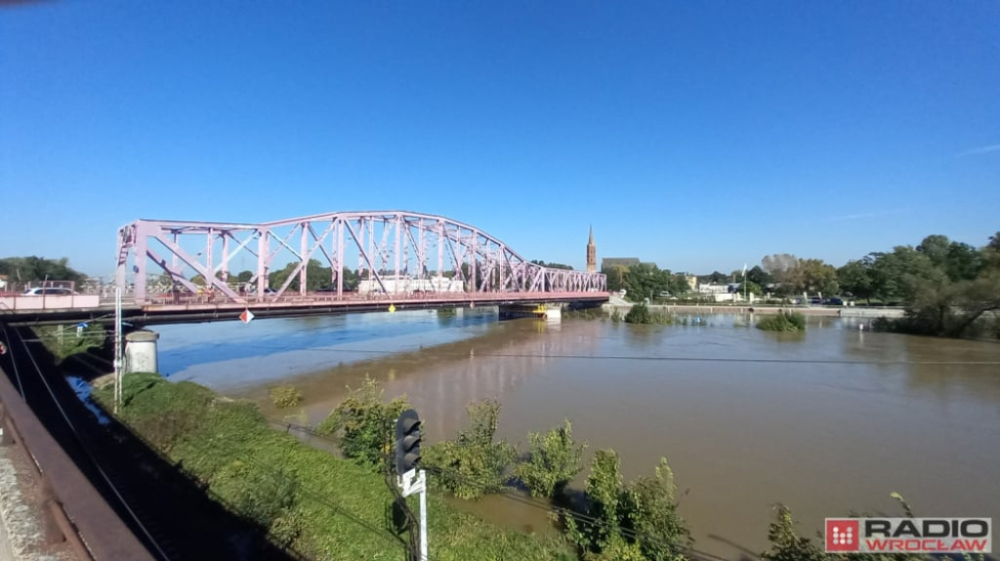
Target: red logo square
843, 534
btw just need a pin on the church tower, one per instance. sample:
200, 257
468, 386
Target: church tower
591, 253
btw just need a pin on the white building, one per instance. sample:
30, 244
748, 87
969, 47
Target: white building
406, 285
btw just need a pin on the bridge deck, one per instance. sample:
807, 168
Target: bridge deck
168, 309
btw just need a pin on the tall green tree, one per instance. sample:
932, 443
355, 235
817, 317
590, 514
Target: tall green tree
855, 277
616, 276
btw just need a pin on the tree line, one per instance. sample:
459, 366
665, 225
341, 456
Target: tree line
36, 269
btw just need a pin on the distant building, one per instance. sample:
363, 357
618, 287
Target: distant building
591, 253
3, 282
406, 285
619, 262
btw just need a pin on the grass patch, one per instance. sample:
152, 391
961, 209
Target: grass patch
324, 507
64, 341
285, 396
784, 322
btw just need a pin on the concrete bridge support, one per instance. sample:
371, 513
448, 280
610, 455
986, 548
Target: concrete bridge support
140, 351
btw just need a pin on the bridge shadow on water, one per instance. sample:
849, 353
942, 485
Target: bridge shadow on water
173, 514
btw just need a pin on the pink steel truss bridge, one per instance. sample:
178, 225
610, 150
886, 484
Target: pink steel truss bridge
392, 256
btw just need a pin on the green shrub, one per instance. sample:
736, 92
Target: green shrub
783, 321
364, 423
285, 396
638, 521
640, 313
473, 465
553, 462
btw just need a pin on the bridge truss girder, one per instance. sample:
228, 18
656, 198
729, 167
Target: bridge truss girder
387, 249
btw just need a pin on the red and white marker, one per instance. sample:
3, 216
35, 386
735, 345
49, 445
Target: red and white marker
246, 316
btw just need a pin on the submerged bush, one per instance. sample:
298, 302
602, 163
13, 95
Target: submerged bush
640, 313
553, 462
364, 423
473, 464
285, 396
783, 321
636, 521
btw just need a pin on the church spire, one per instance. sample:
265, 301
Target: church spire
591, 253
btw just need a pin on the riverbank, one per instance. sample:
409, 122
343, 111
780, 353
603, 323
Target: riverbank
308, 500
623, 307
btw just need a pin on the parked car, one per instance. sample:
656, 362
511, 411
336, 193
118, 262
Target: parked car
49, 291
835, 301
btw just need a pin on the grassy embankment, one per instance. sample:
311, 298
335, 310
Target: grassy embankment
321, 506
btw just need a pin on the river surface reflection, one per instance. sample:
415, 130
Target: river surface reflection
828, 422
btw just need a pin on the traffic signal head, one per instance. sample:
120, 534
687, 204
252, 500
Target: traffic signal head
407, 441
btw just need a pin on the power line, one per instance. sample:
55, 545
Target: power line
643, 358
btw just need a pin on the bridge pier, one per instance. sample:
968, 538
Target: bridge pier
140, 351
539, 311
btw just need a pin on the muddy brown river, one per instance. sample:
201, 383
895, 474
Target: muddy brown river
828, 422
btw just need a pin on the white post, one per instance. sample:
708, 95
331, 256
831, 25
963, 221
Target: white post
423, 515
118, 347
411, 482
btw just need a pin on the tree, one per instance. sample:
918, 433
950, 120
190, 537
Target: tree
317, 276
616, 276
36, 269
856, 278
778, 265
750, 287
935, 247
646, 280
812, 276
552, 265
759, 276
896, 275
963, 262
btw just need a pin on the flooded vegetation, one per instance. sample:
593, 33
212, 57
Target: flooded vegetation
828, 421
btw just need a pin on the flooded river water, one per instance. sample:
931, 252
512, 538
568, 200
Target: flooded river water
828, 422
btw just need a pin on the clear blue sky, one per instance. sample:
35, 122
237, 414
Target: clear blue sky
700, 135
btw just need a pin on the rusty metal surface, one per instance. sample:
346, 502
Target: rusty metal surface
99, 531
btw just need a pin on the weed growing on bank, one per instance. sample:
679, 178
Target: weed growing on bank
285, 396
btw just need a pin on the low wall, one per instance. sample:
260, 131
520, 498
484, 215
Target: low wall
16, 303
758, 309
